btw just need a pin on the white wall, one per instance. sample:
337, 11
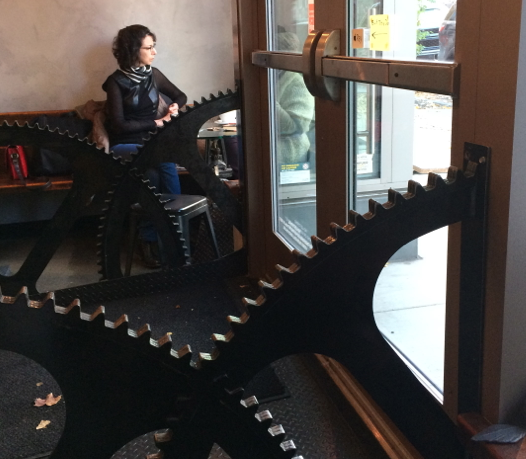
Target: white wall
55, 54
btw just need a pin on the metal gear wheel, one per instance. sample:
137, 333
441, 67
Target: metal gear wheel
94, 171
119, 383
175, 142
320, 304
112, 228
99, 177
323, 304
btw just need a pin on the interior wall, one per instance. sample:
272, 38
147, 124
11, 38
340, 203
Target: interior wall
57, 53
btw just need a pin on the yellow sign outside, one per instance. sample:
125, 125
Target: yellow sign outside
380, 32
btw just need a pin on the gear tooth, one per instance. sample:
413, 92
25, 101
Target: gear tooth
435, 181
395, 197
251, 404
203, 100
162, 441
375, 208
221, 341
122, 326
336, 231
254, 307
49, 299
196, 104
286, 273
277, 432
265, 418
229, 92
221, 94
454, 174
237, 323
47, 303
98, 318
207, 358
163, 344
184, 354
356, 219
73, 312
144, 333
321, 245
23, 294
233, 391
301, 258
316, 242
270, 291
212, 97
414, 188
289, 448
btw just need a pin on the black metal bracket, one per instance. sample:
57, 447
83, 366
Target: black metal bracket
472, 285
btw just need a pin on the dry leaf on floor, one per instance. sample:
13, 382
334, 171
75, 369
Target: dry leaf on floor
40, 384
49, 401
178, 306
43, 425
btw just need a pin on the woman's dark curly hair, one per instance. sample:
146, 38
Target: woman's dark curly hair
127, 44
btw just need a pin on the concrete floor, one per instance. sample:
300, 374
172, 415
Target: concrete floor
74, 263
409, 306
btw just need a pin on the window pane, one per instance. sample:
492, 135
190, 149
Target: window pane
292, 121
293, 159
401, 135
289, 16
408, 29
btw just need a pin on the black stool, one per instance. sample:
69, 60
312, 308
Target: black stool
184, 207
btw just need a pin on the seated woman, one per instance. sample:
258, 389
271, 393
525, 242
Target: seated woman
139, 99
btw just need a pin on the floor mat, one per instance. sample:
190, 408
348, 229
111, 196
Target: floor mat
21, 383
266, 387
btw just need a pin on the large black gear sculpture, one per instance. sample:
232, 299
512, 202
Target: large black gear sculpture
99, 177
93, 174
321, 304
176, 142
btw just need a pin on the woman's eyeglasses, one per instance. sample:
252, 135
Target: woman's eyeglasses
150, 48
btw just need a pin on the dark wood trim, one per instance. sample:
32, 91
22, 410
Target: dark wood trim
389, 437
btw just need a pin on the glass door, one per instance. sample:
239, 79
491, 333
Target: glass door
349, 107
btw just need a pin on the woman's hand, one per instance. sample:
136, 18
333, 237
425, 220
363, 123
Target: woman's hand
173, 110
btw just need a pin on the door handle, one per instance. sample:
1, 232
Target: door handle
309, 60
318, 45
328, 45
321, 56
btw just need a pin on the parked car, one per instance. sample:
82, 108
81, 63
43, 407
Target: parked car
429, 22
446, 36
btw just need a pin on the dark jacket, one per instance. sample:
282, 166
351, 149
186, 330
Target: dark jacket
132, 107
